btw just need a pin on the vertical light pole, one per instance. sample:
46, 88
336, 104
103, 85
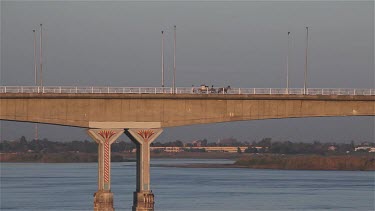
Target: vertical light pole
174, 61
35, 79
35, 65
287, 67
307, 46
40, 56
162, 60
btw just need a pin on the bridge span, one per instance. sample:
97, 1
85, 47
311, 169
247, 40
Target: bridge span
141, 113
149, 107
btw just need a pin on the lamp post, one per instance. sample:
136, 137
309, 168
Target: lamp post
307, 46
40, 56
35, 65
174, 61
162, 60
287, 67
35, 80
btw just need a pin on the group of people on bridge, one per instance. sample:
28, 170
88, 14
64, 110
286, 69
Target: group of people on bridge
204, 89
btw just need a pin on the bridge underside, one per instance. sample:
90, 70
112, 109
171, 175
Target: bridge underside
168, 110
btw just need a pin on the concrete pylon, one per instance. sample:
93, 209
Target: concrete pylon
143, 199
103, 198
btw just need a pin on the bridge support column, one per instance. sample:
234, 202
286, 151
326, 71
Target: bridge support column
143, 199
103, 198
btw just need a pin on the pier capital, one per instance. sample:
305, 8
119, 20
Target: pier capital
143, 136
103, 136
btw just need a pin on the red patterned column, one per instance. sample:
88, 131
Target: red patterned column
103, 198
143, 197
106, 135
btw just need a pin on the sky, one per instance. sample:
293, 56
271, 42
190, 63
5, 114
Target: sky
241, 44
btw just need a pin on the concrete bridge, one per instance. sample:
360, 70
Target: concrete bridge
141, 113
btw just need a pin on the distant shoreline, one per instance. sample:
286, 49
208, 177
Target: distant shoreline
79, 157
210, 165
251, 161
309, 162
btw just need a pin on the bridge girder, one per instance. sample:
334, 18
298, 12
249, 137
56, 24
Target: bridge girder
170, 110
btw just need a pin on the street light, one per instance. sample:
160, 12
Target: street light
35, 65
35, 79
162, 60
40, 58
174, 61
307, 46
287, 67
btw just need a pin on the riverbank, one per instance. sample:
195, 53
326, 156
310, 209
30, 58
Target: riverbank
255, 161
309, 162
63, 157
295, 162
80, 157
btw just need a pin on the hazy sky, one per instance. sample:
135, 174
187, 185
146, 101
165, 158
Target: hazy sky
242, 44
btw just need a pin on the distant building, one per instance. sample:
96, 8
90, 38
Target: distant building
199, 143
332, 148
221, 149
365, 148
166, 149
207, 149
196, 143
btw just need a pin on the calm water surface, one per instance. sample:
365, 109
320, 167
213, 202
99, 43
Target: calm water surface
71, 186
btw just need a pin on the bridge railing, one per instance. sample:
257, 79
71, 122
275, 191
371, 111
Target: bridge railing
183, 90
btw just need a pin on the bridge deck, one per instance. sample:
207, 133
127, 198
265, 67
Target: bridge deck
162, 96
184, 90
154, 110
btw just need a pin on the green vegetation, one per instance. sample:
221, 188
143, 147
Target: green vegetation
61, 157
46, 146
286, 147
309, 162
263, 154
58, 152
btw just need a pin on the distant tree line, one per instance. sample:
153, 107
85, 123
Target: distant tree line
287, 147
201, 143
266, 145
44, 145
176, 143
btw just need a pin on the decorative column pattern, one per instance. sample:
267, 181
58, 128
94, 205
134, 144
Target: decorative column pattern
146, 134
103, 198
142, 137
106, 135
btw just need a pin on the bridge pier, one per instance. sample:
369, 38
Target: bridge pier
103, 198
143, 198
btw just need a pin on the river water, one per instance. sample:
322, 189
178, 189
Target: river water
39, 186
